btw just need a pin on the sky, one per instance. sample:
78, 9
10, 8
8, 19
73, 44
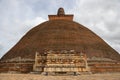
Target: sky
17, 17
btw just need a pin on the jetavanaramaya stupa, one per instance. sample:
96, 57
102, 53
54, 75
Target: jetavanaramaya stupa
61, 45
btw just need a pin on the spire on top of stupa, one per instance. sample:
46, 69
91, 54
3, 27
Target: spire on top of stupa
61, 15
61, 12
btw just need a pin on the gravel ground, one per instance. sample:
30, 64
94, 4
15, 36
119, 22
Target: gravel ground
107, 76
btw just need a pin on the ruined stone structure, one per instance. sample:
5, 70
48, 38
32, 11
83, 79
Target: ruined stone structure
61, 62
60, 33
18, 65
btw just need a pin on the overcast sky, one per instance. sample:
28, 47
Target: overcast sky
19, 16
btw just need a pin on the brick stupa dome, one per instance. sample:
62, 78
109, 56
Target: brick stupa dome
60, 32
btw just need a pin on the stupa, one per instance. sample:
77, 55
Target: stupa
60, 34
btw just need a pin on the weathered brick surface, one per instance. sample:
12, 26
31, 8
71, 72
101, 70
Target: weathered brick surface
61, 35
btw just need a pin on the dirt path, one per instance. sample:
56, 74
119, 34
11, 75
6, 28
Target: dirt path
7, 76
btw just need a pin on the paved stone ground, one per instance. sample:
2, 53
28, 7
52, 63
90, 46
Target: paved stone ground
107, 76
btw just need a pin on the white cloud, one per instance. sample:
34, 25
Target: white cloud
16, 19
102, 17
10, 36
